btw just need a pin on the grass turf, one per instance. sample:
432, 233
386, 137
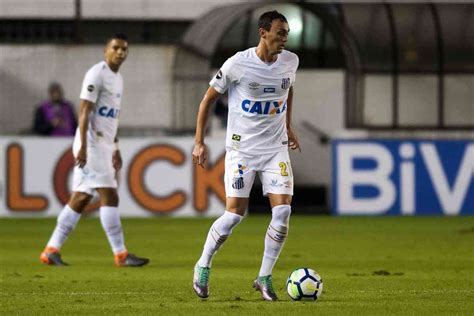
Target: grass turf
376, 266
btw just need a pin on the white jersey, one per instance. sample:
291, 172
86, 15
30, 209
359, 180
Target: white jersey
104, 88
258, 93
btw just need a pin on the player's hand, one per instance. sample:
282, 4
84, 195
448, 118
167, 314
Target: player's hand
81, 158
200, 154
117, 160
293, 140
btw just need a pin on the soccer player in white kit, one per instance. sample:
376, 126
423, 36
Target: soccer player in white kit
97, 157
259, 132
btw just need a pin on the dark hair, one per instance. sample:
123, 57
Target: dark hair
266, 19
55, 86
120, 36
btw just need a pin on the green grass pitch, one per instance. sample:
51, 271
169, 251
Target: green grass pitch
369, 265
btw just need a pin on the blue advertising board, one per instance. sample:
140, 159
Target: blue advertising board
403, 177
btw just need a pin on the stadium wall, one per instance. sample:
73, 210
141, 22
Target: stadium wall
26, 70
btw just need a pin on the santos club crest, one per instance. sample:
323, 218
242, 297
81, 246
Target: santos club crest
285, 83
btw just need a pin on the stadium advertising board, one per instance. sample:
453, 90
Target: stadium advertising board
403, 177
157, 177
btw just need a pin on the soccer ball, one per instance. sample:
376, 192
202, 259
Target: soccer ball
304, 284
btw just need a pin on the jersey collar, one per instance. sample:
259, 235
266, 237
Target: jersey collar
254, 53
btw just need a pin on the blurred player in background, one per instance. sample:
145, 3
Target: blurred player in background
97, 156
259, 132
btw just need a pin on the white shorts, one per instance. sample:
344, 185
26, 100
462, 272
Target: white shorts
274, 171
97, 173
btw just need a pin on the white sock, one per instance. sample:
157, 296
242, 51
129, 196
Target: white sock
275, 238
218, 233
66, 223
110, 219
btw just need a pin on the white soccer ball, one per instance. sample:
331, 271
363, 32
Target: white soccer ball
304, 284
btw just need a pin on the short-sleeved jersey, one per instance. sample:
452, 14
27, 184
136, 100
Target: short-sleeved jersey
258, 93
104, 88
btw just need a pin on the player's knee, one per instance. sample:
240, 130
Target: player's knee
79, 201
110, 199
281, 214
234, 219
238, 211
226, 223
116, 199
113, 200
237, 205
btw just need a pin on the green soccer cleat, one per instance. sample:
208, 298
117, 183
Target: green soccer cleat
201, 281
265, 286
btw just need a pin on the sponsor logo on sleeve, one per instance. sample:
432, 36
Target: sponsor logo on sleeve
219, 74
90, 88
236, 137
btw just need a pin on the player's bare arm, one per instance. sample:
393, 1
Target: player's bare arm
117, 157
200, 149
85, 107
292, 138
